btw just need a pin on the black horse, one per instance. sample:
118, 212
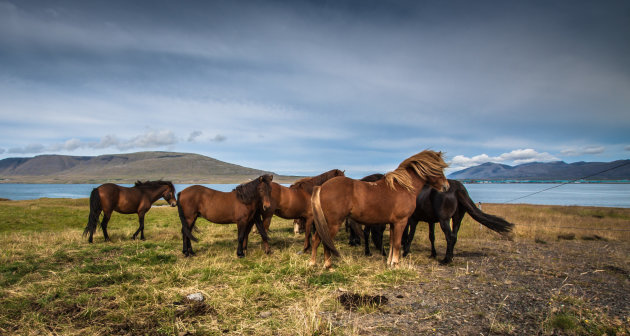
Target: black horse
433, 206
376, 231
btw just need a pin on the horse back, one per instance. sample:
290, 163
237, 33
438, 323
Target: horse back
377, 203
290, 202
216, 206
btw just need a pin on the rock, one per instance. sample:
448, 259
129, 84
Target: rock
195, 297
265, 314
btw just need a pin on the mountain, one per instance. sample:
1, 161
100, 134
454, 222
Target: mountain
541, 171
127, 168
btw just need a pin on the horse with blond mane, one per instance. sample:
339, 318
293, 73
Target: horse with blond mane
390, 200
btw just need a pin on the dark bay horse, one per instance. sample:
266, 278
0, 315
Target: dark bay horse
390, 200
138, 199
433, 206
294, 202
242, 206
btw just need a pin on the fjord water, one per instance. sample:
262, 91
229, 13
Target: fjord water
595, 194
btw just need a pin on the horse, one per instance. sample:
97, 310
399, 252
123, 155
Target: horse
294, 202
242, 206
390, 200
137, 199
376, 231
433, 206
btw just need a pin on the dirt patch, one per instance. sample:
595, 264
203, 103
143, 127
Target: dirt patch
352, 301
510, 288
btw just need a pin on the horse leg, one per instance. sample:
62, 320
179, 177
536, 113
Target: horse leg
242, 229
327, 257
308, 223
140, 226
407, 237
260, 225
366, 240
308, 226
314, 246
377, 238
396, 230
432, 239
106, 218
448, 234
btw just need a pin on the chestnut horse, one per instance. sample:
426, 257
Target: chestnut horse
242, 206
390, 200
433, 206
137, 199
376, 231
294, 202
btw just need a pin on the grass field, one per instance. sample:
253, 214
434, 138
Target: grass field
53, 282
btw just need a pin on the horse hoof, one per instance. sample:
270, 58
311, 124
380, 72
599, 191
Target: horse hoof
368, 254
445, 261
242, 255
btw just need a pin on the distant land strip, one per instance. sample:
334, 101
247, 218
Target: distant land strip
184, 168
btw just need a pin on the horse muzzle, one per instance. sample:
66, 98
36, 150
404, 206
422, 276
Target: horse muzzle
173, 204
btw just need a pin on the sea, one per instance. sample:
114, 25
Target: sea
582, 194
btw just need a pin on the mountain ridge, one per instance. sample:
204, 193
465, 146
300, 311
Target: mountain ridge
128, 168
542, 171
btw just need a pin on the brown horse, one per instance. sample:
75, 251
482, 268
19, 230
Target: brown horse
390, 200
294, 202
137, 199
242, 206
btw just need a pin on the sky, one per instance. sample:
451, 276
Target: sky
301, 87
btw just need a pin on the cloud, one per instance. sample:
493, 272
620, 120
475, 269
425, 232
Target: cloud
2, 150
150, 139
583, 150
627, 148
193, 135
28, 149
517, 156
219, 138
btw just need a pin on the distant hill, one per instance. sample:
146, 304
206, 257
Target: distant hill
558, 170
127, 168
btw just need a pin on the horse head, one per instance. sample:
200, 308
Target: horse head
438, 182
169, 195
263, 190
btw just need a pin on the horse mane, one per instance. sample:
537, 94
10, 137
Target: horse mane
373, 177
152, 184
247, 192
308, 183
427, 163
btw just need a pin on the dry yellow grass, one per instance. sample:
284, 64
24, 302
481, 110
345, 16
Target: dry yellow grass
53, 282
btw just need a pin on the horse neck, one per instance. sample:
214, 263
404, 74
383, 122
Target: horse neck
418, 182
155, 194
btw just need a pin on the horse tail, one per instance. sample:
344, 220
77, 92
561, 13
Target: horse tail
492, 222
182, 217
320, 222
95, 212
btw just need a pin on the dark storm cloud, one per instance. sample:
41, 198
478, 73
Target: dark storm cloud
473, 78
